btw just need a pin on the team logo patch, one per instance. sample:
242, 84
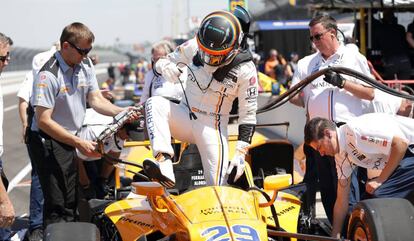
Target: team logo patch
375, 140
377, 164
149, 119
355, 152
194, 109
251, 91
229, 83
252, 80
64, 89
232, 77
42, 77
320, 84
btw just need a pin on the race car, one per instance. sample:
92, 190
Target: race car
262, 205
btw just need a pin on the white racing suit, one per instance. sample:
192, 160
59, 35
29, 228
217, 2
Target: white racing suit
211, 102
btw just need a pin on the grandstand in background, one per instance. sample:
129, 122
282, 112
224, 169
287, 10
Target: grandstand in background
21, 58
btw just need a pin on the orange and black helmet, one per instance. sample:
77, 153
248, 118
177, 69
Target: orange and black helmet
219, 38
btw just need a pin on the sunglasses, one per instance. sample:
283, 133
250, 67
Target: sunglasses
4, 58
317, 36
82, 52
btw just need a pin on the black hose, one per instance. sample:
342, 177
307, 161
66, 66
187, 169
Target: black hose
283, 98
290, 93
117, 160
114, 160
272, 207
371, 82
190, 112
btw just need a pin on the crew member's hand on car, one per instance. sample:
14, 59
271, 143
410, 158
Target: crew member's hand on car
334, 79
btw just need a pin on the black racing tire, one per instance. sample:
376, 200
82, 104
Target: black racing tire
72, 231
107, 228
382, 219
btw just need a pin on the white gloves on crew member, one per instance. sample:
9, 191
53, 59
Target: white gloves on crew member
238, 159
168, 70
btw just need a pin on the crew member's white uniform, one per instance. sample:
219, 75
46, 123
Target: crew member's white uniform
93, 125
211, 102
321, 99
40, 59
25, 90
157, 86
384, 103
366, 141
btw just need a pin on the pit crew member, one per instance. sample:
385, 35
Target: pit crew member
375, 141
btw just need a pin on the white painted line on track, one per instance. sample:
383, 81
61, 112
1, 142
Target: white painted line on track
19, 236
10, 108
19, 177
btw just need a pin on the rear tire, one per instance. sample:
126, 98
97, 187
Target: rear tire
382, 219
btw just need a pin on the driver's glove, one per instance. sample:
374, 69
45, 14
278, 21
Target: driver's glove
168, 70
238, 159
334, 79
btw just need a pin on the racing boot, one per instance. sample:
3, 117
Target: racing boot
160, 170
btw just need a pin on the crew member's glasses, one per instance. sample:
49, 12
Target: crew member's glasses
82, 52
317, 36
4, 58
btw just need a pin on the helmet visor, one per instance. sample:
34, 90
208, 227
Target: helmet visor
212, 60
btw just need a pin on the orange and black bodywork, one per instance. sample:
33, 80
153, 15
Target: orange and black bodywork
206, 213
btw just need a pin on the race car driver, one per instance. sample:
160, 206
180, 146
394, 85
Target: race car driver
219, 70
364, 141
